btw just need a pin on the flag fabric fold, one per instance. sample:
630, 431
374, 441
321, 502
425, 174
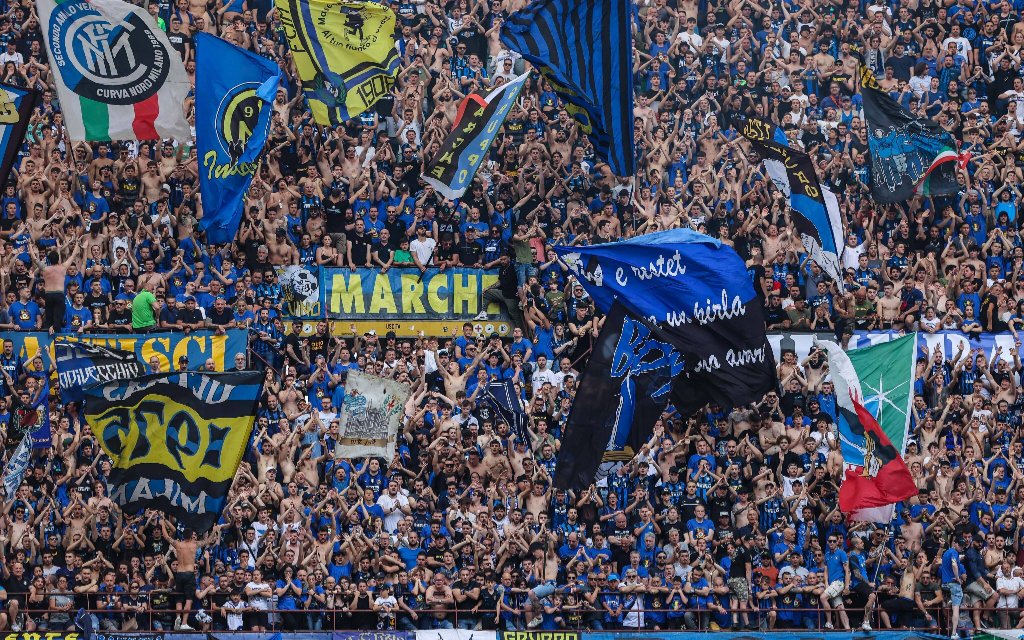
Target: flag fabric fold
884, 478
622, 392
16, 466
80, 364
584, 49
233, 113
117, 76
818, 219
909, 155
16, 106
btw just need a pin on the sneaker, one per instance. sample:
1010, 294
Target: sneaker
866, 626
480, 316
954, 636
535, 622
185, 627
829, 625
15, 627
177, 624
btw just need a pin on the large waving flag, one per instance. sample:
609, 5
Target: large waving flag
117, 76
622, 392
817, 218
695, 293
683, 316
344, 52
909, 155
464, 150
232, 124
175, 439
584, 48
875, 388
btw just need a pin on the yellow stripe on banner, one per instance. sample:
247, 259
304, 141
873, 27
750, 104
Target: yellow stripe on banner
411, 328
159, 430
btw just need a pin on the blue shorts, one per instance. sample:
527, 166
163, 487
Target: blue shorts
956, 593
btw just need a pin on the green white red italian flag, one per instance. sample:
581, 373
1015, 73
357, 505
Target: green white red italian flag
948, 154
117, 76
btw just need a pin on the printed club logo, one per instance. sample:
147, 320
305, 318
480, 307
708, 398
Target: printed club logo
107, 60
237, 116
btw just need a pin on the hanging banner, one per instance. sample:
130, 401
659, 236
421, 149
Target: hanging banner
371, 415
167, 348
406, 294
300, 286
117, 76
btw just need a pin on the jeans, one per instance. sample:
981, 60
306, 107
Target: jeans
468, 623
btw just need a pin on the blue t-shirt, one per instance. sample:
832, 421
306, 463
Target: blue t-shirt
834, 561
951, 567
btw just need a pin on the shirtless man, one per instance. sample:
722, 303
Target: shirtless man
53, 280
905, 602
888, 307
184, 574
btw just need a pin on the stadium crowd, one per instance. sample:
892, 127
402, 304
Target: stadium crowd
727, 519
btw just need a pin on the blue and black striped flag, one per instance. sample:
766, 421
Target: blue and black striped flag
584, 49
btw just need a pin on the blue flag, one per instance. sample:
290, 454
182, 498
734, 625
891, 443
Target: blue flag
584, 49
232, 124
695, 294
501, 394
41, 435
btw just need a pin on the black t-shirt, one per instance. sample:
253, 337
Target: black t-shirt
469, 253
221, 318
120, 317
360, 248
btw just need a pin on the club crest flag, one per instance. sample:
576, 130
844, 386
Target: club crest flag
371, 415
232, 124
80, 364
175, 440
344, 52
464, 150
16, 105
117, 76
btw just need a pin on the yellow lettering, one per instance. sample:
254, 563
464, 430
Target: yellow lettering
412, 294
383, 298
437, 293
148, 352
465, 294
346, 295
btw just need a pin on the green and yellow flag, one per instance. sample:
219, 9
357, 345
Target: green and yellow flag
344, 52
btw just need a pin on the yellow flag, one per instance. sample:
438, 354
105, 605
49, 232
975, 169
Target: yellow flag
345, 54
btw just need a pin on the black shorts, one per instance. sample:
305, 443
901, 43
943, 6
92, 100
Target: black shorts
255, 619
862, 589
185, 585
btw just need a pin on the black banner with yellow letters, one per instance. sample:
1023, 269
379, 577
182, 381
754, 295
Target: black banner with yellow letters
175, 440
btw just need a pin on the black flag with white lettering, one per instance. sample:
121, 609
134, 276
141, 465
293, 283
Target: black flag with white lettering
80, 364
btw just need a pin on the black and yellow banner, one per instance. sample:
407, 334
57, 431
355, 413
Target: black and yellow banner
176, 440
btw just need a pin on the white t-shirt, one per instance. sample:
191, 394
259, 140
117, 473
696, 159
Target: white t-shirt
387, 503
423, 249
234, 619
1010, 601
260, 602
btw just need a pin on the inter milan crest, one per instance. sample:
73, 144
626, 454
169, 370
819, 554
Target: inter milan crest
109, 61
